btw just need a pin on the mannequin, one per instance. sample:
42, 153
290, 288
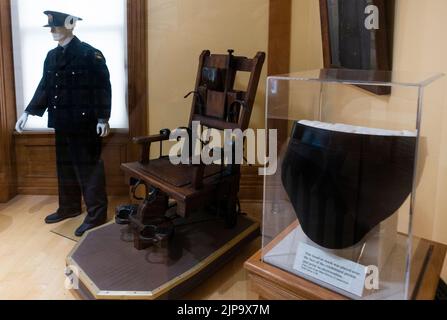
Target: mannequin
76, 90
63, 36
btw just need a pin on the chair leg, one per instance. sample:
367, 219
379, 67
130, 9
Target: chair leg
149, 224
230, 203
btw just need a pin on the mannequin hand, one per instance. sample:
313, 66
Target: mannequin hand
103, 129
21, 123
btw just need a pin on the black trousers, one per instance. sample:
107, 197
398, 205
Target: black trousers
81, 173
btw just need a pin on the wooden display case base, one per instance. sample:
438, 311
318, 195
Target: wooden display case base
273, 283
109, 267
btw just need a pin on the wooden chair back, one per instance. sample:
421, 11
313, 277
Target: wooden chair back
216, 103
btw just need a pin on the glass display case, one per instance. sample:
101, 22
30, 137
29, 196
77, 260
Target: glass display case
342, 207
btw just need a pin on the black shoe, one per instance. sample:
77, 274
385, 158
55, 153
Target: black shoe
124, 212
84, 228
58, 217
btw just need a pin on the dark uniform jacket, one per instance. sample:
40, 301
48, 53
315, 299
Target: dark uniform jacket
75, 88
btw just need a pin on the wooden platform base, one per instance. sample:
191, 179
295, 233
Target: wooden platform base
109, 267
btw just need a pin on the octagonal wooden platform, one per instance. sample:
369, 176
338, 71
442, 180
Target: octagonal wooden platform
108, 266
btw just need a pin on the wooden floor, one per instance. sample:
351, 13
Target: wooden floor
32, 258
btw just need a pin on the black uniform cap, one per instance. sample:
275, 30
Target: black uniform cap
59, 19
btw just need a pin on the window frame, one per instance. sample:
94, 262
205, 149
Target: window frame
137, 93
137, 59
28, 74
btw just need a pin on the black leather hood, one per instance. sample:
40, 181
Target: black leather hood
343, 184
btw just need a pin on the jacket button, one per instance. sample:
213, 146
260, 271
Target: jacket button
83, 113
73, 73
55, 97
57, 74
56, 86
54, 107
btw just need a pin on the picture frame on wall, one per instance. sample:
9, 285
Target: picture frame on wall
358, 34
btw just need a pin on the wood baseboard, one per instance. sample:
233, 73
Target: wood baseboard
251, 187
7, 192
36, 163
36, 167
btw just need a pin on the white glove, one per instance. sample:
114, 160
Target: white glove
21, 123
103, 129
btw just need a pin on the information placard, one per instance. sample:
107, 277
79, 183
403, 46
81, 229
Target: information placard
338, 272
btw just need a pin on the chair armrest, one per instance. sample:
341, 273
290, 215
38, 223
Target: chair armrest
146, 142
163, 136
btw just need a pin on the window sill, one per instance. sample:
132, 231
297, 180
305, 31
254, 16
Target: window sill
51, 131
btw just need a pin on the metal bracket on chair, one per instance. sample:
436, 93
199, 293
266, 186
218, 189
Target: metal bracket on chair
133, 190
200, 100
232, 112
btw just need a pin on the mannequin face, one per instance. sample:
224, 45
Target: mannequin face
60, 33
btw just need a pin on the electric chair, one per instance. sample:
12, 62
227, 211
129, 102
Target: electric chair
191, 187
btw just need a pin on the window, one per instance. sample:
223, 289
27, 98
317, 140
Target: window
103, 26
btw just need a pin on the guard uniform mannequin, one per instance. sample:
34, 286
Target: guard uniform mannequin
76, 90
